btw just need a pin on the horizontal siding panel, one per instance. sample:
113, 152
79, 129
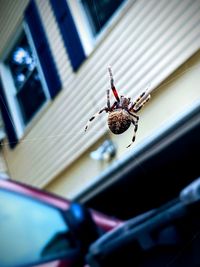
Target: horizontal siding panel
143, 58
179, 60
60, 162
154, 41
121, 43
59, 140
94, 79
76, 100
154, 60
53, 162
149, 42
95, 71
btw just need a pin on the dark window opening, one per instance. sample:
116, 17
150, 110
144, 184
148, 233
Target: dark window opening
29, 93
99, 12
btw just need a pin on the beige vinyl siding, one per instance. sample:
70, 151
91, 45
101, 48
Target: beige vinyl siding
178, 94
144, 45
3, 167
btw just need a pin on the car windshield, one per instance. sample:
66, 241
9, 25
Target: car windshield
31, 231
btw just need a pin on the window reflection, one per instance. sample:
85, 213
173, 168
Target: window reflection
21, 62
29, 92
99, 12
31, 97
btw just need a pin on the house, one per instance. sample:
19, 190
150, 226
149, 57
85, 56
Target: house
54, 57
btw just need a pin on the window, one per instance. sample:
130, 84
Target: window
23, 81
29, 76
93, 17
28, 92
99, 12
31, 231
80, 23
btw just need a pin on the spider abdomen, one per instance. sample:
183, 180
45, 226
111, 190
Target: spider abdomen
119, 121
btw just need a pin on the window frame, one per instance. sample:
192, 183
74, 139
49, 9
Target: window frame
88, 39
9, 88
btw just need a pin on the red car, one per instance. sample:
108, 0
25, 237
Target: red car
40, 229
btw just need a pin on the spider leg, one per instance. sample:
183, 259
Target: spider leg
108, 99
110, 108
135, 123
113, 106
114, 90
140, 105
132, 105
94, 116
134, 115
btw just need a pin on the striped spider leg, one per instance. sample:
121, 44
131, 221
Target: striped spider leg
107, 109
134, 121
114, 90
134, 107
94, 116
140, 102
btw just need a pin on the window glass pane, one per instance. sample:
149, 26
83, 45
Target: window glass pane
30, 231
99, 12
21, 62
31, 97
29, 93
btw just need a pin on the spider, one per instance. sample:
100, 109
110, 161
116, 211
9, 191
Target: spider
123, 112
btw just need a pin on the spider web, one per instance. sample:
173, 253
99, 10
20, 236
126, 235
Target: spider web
94, 102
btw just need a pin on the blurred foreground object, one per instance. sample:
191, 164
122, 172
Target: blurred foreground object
166, 236
41, 229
